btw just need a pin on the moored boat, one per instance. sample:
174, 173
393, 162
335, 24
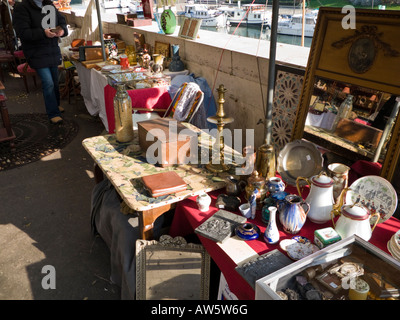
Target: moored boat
252, 14
209, 17
293, 26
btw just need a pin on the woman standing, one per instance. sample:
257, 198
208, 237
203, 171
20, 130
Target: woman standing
40, 47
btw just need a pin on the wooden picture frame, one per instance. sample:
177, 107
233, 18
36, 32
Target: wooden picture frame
171, 268
162, 48
333, 56
139, 41
189, 28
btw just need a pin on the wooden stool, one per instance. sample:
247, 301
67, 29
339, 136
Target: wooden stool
6, 133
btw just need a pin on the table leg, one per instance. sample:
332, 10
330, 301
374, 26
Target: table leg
147, 218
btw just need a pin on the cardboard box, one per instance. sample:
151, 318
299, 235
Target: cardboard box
94, 53
123, 17
166, 141
139, 22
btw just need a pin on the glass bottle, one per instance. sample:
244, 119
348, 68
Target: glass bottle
344, 111
123, 115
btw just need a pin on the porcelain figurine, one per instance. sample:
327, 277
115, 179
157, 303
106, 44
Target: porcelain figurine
293, 213
253, 203
271, 234
203, 202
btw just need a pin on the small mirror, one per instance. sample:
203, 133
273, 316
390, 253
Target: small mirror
171, 269
362, 60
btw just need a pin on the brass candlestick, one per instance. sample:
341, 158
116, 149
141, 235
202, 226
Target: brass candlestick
220, 120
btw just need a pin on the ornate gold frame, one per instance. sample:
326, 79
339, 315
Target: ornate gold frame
176, 264
329, 58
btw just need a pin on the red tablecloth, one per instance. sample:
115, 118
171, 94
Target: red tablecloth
149, 98
187, 217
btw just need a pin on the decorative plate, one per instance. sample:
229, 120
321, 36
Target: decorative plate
299, 158
392, 252
285, 243
375, 193
298, 250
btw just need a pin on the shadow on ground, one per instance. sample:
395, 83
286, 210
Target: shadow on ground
45, 215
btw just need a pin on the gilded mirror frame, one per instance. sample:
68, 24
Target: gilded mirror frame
184, 252
329, 58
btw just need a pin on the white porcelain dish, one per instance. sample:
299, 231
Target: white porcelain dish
376, 194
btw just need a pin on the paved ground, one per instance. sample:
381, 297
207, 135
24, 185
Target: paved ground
45, 216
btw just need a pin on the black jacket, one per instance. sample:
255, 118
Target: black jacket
39, 51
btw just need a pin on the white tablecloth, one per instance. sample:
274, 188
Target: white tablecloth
92, 90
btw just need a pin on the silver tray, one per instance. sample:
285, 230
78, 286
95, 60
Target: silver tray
299, 158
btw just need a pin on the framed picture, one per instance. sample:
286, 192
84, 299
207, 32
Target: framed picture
189, 28
171, 269
162, 48
364, 58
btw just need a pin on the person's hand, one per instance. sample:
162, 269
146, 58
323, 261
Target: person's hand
49, 33
60, 32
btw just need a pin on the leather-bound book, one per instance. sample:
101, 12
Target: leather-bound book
163, 183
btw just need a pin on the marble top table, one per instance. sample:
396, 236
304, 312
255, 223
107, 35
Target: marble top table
124, 164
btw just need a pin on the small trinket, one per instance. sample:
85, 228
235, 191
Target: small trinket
326, 236
253, 203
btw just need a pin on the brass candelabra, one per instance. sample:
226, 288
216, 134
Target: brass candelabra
220, 120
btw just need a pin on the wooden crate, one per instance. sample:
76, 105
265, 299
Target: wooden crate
170, 141
122, 17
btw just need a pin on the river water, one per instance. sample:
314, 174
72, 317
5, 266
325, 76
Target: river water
257, 33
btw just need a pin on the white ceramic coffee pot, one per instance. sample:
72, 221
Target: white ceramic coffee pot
355, 219
320, 197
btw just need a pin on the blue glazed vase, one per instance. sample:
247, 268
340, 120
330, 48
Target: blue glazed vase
275, 185
293, 213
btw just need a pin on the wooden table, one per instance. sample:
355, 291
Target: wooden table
124, 164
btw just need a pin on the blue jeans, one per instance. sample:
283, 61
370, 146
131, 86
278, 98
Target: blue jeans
51, 92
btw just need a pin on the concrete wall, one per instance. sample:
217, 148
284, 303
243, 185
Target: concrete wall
239, 63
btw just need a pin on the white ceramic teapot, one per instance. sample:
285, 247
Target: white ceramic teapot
320, 197
355, 219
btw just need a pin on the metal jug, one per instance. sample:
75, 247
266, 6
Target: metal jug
320, 197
